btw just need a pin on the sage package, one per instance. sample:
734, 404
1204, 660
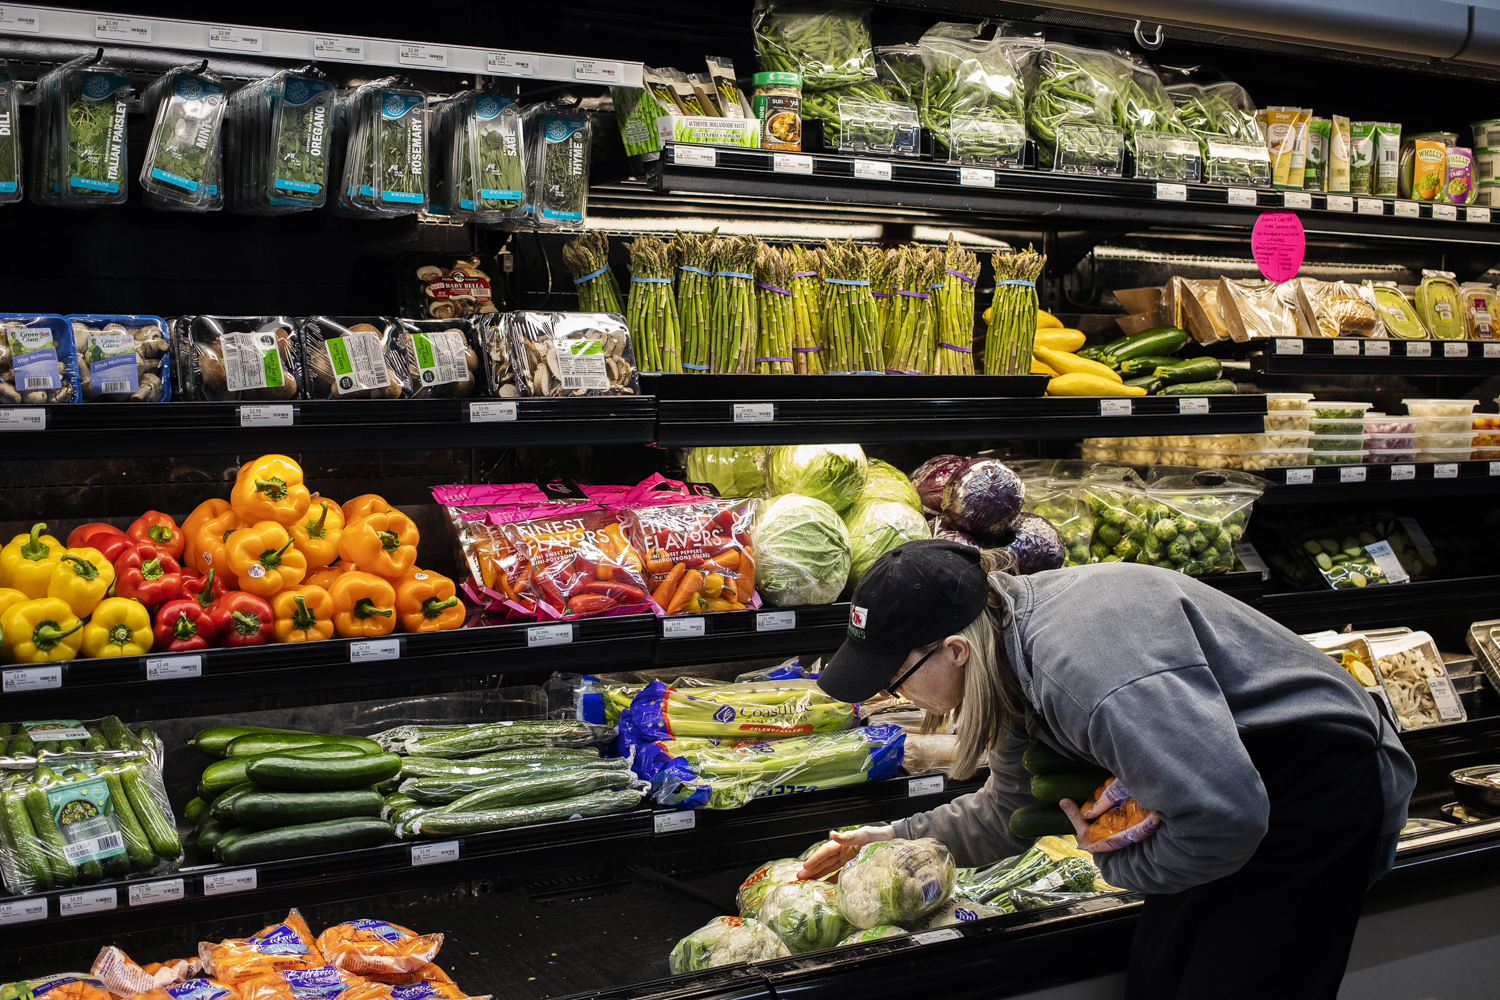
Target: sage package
182, 168
355, 357
279, 133
122, 359
81, 158
37, 364
10, 137
237, 358
485, 161
385, 159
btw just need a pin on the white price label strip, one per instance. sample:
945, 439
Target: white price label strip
1345, 348
1492, 350
20, 19
549, 635
124, 29
171, 668
1116, 407
434, 854
1171, 192
23, 911
30, 418
263, 415
1194, 405
1455, 350
1340, 203
778, 621
493, 413
982, 177
1296, 199
929, 784
941, 934
695, 156
336, 47
428, 56
791, 163
1419, 349
510, 63
1288, 347
92, 901
1495, 468
1377, 348
223, 36
1243, 196
1448, 705
1352, 474
1299, 477
682, 628
598, 71
1407, 210
754, 413
1477, 213
369, 650
31, 679
1403, 472
1371, 206
673, 822
146, 893
222, 883
1445, 470
872, 170
1445, 213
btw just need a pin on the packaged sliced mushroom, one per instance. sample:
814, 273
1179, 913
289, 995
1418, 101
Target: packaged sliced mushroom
444, 286
572, 354
355, 357
37, 362
499, 373
237, 358
442, 358
122, 359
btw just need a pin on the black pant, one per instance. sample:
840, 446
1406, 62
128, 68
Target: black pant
1282, 925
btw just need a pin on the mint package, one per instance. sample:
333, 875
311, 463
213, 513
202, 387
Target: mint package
183, 168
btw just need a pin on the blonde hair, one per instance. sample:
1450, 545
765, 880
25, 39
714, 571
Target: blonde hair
992, 702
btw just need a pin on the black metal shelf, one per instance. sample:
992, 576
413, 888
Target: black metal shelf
1358, 356
1333, 483
737, 635
1306, 610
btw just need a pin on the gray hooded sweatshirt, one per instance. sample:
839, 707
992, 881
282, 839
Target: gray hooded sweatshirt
1153, 676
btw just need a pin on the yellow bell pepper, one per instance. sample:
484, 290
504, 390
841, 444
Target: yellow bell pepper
363, 605
270, 489
1046, 321
26, 564
82, 578
317, 534
41, 631
1071, 364
303, 614
1079, 384
10, 597
119, 627
262, 558
384, 543
208, 546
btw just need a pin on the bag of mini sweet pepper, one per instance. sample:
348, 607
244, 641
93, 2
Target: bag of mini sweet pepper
697, 552
578, 563
287, 945
366, 946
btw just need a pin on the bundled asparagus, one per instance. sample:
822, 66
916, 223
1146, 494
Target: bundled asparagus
878, 265
773, 348
587, 257
1007, 347
652, 311
807, 309
695, 256
733, 329
955, 306
913, 325
849, 311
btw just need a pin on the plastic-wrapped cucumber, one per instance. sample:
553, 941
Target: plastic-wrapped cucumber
478, 821
449, 789
462, 741
543, 788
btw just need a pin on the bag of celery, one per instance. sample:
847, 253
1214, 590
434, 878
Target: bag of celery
735, 711
710, 774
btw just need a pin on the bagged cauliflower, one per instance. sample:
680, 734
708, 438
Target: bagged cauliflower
874, 934
895, 882
805, 915
724, 941
957, 910
752, 892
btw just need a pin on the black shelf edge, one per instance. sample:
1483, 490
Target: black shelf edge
1410, 358
1306, 610
1344, 482
113, 430
733, 635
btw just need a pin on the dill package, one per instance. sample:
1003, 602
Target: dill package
486, 177
385, 162
183, 168
558, 138
278, 136
10, 138
82, 159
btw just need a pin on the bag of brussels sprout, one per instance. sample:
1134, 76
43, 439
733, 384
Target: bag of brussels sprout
1197, 518
1119, 507
1061, 502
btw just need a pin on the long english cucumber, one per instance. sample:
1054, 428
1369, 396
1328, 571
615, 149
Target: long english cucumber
595, 804
289, 774
305, 839
265, 810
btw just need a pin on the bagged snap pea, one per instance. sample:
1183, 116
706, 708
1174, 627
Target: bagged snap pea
237, 358
355, 357
10, 137
182, 163
122, 359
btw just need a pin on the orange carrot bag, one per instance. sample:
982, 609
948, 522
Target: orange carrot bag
427, 990
375, 946
191, 989
62, 986
124, 978
287, 945
325, 983
429, 973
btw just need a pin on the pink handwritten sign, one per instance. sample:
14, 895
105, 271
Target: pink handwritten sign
1279, 245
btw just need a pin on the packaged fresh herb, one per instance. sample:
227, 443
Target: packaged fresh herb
558, 139
385, 163
81, 151
278, 134
10, 138
636, 112
183, 153
496, 158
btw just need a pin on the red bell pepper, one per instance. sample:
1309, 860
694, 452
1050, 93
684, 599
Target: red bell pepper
111, 545
242, 619
182, 626
205, 590
160, 530
78, 536
147, 574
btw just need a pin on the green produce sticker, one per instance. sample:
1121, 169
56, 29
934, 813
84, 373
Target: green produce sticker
358, 361
86, 817
440, 356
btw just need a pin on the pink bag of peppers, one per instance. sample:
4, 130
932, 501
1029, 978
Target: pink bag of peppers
698, 554
577, 562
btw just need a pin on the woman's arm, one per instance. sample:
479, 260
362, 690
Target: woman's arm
976, 827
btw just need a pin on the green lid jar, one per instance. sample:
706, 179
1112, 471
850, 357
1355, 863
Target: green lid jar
777, 80
777, 102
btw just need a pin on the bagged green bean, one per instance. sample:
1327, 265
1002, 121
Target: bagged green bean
182, 168
1073, 94
823, 105
81, 159
10, 137
827, 42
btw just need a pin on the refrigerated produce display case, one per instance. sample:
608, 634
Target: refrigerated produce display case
437, 468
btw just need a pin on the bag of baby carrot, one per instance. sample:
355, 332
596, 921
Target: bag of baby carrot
426, 990
62, 986
368, 946
124, 978
325, 983
191, 989
287, 945
428, 973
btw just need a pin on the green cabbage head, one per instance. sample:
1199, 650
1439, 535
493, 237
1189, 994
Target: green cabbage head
832, 473
801, 552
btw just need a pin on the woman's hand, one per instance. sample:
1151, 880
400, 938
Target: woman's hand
842, 849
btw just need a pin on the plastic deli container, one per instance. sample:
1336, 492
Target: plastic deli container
1138, 455
1446, 425
1288, 420
1277, 401
1444, 454
1412, 672
1277, 439
1391, 442
1218, 442
1445, 442
1381, 423
1440, 407
1486, 441
1337, 457
1275, 458
1390, 456
1173, 455
1095, 453
1205, 458
1335, 442
1348, 412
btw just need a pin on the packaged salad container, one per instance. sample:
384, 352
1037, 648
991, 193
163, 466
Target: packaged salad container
1276, 401
1444, 454
1440, 407
1276, 458
1411, 670
1352, 413
1289, 420
1390, 456
1336, 457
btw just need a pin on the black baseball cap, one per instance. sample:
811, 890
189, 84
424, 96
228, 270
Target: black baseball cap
912, 596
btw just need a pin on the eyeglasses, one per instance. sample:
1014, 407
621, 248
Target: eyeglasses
895, 685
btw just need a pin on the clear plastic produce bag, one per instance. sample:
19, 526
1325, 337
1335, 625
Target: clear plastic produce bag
827, 42
957, 910
1061, 502
1071, 108
1119, 506
1196, 525
805, 915
772, 710
895, 882
974, 95
725, 941
752, 892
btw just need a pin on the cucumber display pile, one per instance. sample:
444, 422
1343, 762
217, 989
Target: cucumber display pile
1145, 359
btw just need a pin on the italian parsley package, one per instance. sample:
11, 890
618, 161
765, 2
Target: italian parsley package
183, 168
83, 159
10, 138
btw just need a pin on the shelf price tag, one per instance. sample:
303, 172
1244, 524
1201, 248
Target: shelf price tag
31, 679
510, 63
1492, 350
23, 911
1495, 468
264, 415
223, 883
1377, 348
1403, 472
1345, 348
1448, 705
429, 56
598, 71
1296, 199
695, 156
224, 36
493, 413
872, 170
1446, 213
675, 821
1243, 196
754, 413
1352, 474
171, 668
682, 628
1340, 203
1407, 210
929, 784
1477, 213
791, 163
1116, 407
1171, 192
124, 29
434, 854
1455, 349
1445, 470
337, 47
549, 635
146, 893
92, 901
1385, 558
1288, 347
370, 650
20, 19
1252, 560
982, 177
781, 621
1193, 405
941, 934
1299, 477
1419, 348
29, 418
1371, 206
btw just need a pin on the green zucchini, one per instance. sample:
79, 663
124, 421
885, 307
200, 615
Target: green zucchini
222, 808
305, 839
1148, 382
264, 810
159, 829
1077, 785
1136, 367
1045, 820
1159, 341
137, 844
543, 788
1039, 758
25, 845
119, 735
1196, 370
1217, 387
210, 832
49, 836
252, 744
289, 774
213, 740
223, 775
443, 821
195, 810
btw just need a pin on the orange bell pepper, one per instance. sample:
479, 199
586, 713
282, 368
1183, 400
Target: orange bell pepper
363, 605
428, 602
302, 614
364, 506
324, 577
270, 489
208, 546
317, 534
196, 520
262, 558
384, 544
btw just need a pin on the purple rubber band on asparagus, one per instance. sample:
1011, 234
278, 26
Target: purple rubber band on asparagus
913, 295
951, 347
772, 288
958, 274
